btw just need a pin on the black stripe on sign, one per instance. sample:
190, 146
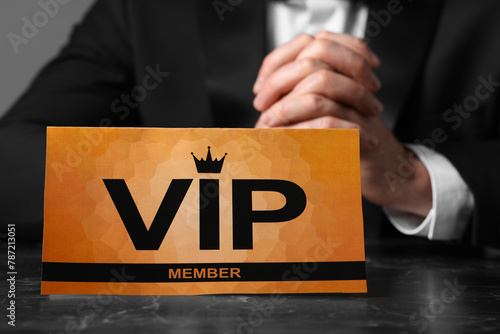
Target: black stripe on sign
202, 272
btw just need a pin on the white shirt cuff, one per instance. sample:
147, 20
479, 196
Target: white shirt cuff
452, 201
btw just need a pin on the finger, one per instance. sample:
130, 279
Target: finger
342, 60
301, 108
280, 56
367, 140
353, 43
284, 80
341, 89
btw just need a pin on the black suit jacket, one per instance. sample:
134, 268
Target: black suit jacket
432, 53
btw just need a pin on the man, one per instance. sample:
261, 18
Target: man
194, 63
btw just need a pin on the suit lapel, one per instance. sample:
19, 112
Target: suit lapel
402, 46
233, 45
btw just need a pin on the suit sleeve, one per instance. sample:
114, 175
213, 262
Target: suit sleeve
77, 88
479, 165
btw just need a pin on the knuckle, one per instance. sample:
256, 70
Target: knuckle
359, 43
269, 60
323, 44
367, 97
350, 61
272, 83
324, 34
361, 94
281, 114
304, 38
359, 65
307, 64
320, 46
314, 103
322, 78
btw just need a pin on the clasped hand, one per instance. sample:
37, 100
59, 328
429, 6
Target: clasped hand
328, 81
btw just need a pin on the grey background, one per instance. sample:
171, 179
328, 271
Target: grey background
17, 70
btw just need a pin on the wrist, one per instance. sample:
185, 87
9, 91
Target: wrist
414, 193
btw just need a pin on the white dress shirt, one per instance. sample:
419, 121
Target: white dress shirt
452, 200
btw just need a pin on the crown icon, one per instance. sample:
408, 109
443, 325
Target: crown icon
208, 165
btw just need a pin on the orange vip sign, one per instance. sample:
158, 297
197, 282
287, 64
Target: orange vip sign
202, 211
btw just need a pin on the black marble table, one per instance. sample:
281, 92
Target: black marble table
414, 287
